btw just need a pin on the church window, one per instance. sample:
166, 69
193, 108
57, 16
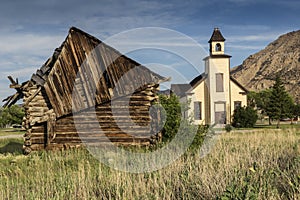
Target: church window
219, 82
197, 110
237, 104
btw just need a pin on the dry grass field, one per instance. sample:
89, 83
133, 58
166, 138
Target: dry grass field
251, 165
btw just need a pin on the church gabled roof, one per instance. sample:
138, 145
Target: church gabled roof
182, 89
217, 36
197, 79
238, 84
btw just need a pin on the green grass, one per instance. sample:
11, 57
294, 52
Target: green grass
255, 165
266, 126
11, 146
11, 131
282, 125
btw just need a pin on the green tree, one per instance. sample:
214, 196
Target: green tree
260, 101
296, 110
170, 114
280, 104
252, 98
244, 117
11, 115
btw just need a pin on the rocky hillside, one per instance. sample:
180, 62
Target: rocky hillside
280, 57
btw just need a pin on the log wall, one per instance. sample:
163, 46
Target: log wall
37, 113
124, 121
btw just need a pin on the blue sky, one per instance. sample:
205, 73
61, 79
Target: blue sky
30, 30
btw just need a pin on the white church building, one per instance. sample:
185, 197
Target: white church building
213, 95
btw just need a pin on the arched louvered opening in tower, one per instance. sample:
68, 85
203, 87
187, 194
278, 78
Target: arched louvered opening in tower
218, 47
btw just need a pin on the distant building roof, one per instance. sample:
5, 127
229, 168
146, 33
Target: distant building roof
164, 92
180, 89
216, 36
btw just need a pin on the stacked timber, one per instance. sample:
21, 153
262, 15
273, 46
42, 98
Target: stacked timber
123, 121
38, 113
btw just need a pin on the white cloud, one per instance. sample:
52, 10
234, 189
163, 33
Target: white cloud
253, 38
245, 47
248, 27
29, 43
21, 73
291, 4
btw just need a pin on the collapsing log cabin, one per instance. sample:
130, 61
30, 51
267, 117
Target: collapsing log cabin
88, 92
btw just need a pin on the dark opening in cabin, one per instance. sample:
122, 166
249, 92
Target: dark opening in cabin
107, 79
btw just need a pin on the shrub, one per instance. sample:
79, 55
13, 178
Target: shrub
199, 138
244, 117
228, 127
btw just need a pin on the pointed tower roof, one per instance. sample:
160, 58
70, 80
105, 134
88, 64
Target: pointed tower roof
216, 36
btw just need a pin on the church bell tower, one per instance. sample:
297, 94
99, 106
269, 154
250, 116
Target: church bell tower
217, 70
216, 42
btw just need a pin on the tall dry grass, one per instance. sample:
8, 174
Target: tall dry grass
256, 165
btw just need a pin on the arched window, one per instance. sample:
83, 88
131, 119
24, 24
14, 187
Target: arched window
218, 47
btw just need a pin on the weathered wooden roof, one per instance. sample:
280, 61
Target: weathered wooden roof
101, 68
85, 63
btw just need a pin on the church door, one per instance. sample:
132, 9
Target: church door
220, 113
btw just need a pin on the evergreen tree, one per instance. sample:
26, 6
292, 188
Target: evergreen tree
296, 110
280, 104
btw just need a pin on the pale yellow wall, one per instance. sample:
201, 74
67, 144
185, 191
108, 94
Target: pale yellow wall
207, 103
206, 66
184, 100
198, 96
236, 96
218, 65
200, 93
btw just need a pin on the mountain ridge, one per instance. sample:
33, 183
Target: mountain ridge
280, 57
